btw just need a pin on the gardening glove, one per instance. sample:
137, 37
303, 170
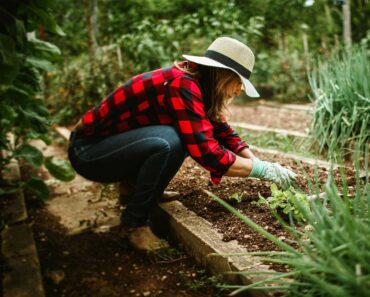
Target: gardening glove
273, 172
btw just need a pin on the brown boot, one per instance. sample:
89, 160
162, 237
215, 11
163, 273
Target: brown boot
168, 196
142, 238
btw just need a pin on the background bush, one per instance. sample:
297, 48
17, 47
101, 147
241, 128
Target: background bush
23, 115
152, 34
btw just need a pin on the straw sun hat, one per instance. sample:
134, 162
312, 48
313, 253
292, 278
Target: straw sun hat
229, 53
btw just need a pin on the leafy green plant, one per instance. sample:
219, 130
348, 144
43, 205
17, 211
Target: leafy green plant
283, 72
331, 256
82, 83
200, 281
23, 115
237, 196
285, 201
341, 95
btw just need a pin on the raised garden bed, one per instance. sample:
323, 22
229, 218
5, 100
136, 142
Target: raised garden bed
191, 180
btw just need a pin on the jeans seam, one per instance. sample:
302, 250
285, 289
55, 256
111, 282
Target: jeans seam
121, 148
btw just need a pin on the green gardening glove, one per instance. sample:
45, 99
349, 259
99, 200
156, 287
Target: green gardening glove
273, 172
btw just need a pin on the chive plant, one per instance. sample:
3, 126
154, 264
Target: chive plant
341, 95
331, 255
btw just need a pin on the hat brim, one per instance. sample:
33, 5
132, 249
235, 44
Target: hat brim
248, 87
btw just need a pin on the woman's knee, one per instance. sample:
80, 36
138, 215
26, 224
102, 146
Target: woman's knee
172, 137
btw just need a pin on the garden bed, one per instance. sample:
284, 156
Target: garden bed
191, 180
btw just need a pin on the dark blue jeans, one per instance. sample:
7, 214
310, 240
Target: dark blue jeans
148, 156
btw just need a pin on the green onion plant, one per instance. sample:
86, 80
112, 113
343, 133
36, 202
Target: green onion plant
341, 96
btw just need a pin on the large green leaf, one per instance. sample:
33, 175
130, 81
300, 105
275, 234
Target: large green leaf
43, 49
29, 80
60, 169
33, 120
29, 153
37, 187
39, 63
13, 93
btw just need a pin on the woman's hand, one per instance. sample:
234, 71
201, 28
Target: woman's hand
273, 172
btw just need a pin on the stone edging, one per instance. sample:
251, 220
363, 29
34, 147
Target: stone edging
259, 128
22, 277
201, 240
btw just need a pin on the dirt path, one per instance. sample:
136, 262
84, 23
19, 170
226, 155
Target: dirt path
271, 117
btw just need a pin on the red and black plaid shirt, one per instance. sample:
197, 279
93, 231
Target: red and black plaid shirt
167, 96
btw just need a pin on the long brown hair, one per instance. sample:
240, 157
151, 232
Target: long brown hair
216, 84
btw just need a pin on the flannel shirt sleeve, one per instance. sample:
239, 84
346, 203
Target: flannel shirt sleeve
185, 104
227, 137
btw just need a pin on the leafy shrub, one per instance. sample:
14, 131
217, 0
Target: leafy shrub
283, 72
152, 43
83, 83
23, 60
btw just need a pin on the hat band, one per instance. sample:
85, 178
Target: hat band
228, 62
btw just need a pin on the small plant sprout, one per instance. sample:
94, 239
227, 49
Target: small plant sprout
237, 196
286, 201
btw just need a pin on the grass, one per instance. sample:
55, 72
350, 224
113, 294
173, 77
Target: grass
284, 143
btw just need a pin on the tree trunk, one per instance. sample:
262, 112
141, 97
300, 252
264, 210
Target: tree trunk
306, 53
346, 8
91, 9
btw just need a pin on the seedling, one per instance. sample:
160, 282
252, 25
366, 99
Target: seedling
237, 196
286, 201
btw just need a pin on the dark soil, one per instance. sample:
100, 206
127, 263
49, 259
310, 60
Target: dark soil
191, 180
102, 265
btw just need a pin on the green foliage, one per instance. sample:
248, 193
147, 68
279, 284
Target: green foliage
23, 60
151, 43
285, 201
152, 34
29, 153
201, 281
83, 84
331, 256
60, 169
284, 73
237, 196
37, 187
341, 94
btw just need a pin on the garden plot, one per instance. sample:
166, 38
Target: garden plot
192, 180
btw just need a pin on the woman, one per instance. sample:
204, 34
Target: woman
143, 131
